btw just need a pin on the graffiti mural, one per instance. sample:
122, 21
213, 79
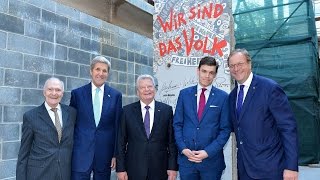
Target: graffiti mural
184, 32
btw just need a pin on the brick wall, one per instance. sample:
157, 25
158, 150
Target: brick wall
40, 39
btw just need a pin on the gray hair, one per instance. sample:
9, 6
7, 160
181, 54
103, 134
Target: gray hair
100, 59
53, 79
145, 76
243, 52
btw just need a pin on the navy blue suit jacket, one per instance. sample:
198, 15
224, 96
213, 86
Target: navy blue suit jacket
266, 130
210, 133
91, 142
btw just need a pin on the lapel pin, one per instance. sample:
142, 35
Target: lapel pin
109, 95
158, 110
254, 87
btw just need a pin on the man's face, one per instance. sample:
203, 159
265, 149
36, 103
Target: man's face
99, 74
206, 75
240, 68
53, 93
146, 91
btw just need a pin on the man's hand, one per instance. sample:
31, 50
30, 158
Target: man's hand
113, 163
290, 175
122, 175
202, 154
191, 156
172, 174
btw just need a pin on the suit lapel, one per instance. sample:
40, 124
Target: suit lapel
193, 97
65, 121
138, 118
233, 97
250, 94
65, 117
87, 94
44, 115
156, 119
106, 101
210, 99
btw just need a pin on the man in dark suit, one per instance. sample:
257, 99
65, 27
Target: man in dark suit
201, 125
146, 146
47, 137
99, 109
264, 124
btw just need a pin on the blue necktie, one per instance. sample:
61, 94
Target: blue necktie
239, 101
96, 107
147, 121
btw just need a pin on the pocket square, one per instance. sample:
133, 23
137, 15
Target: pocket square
213, 106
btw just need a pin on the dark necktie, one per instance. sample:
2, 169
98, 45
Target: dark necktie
240, 100
147, 121
202, 103
57, 123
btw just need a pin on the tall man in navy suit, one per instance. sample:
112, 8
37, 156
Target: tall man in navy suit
202, 126
146, 145
99, 109
264, 124
47, 137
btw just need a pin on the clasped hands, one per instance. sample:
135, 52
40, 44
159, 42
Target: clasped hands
195, 156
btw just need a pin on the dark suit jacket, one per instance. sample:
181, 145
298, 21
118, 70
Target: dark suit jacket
139, 156
91, 142
41, 156
210, 134
266, 130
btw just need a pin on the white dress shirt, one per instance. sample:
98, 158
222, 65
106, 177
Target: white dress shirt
51, 113
206, 93
246, 84
151, 112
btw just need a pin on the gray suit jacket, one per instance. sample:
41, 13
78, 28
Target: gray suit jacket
41, 156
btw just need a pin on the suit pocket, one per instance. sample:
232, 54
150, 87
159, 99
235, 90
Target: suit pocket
36, 163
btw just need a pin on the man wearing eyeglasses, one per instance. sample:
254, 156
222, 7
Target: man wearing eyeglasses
264, 124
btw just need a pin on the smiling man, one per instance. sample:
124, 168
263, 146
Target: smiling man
47, 137
146, 146
99, 109
201, 126
264, 124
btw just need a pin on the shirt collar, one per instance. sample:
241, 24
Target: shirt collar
248, 81
152, 104
94, 87
49, 108
199, 88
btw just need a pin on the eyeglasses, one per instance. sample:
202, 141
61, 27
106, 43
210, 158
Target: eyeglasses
239, 65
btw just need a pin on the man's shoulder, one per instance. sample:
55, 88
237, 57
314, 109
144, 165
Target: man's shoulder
131, 105
264, 81
81, 88
68, 108
188, 89
34, 110
219, 92
161, 104
112, 90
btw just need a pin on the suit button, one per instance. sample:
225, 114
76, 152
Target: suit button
241, 142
